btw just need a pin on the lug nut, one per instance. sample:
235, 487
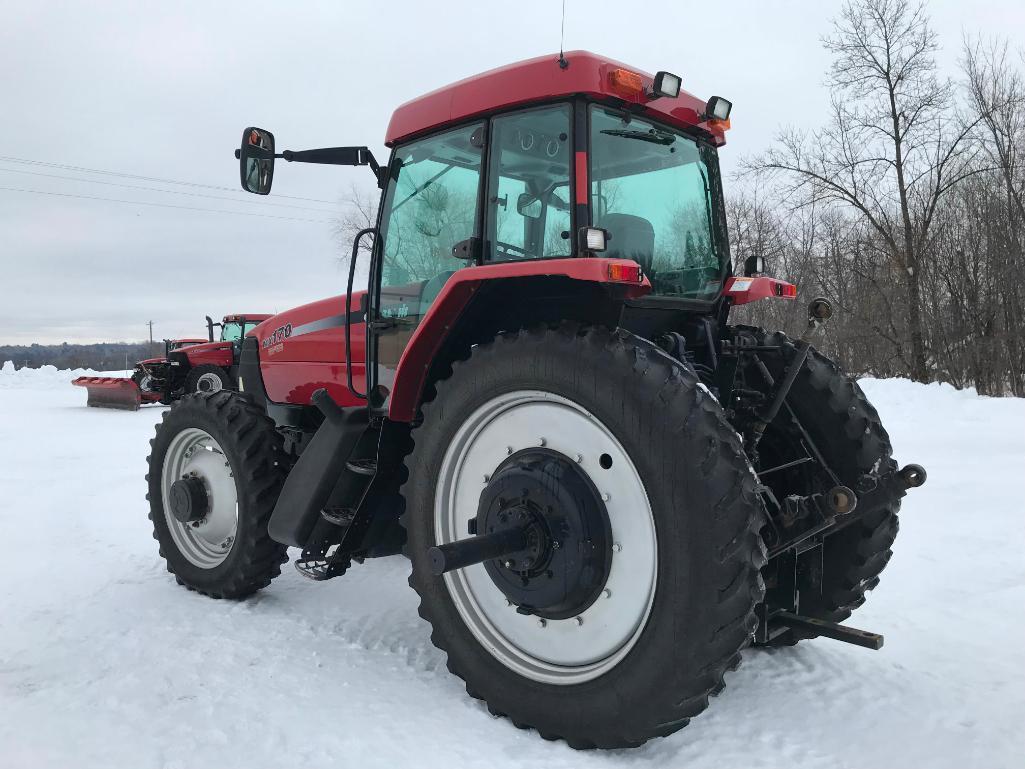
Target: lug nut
606, 496
508, 449
617, 547
579, 458
509, 564
579, 621
606, 593
486, 477
542, 623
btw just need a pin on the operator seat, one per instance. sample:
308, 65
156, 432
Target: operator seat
633, 237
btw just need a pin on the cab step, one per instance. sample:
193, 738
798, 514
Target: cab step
322, 569
362, 466
339, 516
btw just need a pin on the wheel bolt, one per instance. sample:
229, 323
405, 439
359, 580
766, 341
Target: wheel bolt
486, 477
542, 623
579, 458
606, 593
606, 496
579, 621
508, 449
542, 442
617, 547
509, 564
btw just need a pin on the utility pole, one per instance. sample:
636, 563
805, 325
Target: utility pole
150, 324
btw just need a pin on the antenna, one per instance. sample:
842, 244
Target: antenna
562, 37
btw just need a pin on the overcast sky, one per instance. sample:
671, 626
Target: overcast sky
164, 90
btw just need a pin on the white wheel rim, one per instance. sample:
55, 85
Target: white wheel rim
580, 648
205, 543
208, 383
144, 382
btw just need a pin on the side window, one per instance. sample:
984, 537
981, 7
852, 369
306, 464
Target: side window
431, 205
528, 190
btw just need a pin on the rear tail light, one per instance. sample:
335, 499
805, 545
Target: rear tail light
788, 290
625, 273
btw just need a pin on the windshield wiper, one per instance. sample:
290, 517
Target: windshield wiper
422, 187
651, 135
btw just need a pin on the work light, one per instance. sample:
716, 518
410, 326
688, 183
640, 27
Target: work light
718, 108
593, 239
666, 84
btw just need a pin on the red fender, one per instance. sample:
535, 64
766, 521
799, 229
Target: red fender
744, 290
411, 373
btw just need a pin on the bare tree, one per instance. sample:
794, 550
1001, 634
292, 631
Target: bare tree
893, 148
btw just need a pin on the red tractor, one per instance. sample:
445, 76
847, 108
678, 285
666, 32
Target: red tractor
187, 366
606, 489
209, 366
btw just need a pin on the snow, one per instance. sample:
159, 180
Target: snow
105, 662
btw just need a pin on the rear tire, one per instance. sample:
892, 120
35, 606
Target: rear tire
229, 428
705, 513
847, 430
207, 379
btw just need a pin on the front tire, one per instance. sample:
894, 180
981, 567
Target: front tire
229, 456
207, 379
594, 680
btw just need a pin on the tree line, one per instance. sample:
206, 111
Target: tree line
104, 356
906, 208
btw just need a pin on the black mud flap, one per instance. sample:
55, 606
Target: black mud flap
314, 475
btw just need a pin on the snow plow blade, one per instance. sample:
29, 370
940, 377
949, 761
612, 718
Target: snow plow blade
114, 392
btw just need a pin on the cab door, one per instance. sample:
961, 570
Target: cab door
431, 204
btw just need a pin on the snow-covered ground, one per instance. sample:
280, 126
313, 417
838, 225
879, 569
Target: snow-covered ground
105, 662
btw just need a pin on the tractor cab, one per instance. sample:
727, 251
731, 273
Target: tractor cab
527, 166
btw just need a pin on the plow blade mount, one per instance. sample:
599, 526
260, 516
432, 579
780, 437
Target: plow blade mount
114, 392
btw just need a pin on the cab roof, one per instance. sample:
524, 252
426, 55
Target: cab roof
543, 79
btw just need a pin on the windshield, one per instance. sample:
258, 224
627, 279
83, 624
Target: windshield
232, 331
656, 191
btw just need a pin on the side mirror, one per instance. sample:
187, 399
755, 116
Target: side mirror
754, 265
256, 160
528, 205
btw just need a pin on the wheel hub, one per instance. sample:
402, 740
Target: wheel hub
189, 500
566, 561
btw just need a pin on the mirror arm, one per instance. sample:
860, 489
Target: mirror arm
338, 156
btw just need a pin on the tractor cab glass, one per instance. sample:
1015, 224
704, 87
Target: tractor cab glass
429, 215
656, 191
528, 215
232, 331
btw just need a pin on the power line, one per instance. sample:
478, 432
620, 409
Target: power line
167, 205
157, 189
83, 169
